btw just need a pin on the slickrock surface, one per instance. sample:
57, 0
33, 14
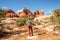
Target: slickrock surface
43, 31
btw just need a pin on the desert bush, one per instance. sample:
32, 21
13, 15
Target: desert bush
31, 17
1, 27
56, 12
2, 13
56, 15
21, 21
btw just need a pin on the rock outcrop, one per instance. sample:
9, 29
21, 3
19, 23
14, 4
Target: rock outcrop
23, 12
9, 10
46, 23
10, 13
20, 13
38, 13
41, 12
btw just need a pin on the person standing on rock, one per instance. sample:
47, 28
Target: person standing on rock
30, 29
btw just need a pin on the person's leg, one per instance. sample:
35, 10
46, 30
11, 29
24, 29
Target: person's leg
31, 31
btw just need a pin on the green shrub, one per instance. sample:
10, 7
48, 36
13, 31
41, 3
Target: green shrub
1, 28
56, 12
57, 19
21, 21
2, 13
31, 17
56, 15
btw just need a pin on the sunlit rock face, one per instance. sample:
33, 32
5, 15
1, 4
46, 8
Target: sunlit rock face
10, 13
9, 10
38, 13
26, 11
23, 12
41, 12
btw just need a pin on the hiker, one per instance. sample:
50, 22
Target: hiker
29, 24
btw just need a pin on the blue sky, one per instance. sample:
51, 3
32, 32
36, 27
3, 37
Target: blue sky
46, 5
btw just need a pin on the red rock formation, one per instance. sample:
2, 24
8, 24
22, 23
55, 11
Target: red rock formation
21, 14
10, 13
36, 13
15, 15
24, 12
9, 10
41, 12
